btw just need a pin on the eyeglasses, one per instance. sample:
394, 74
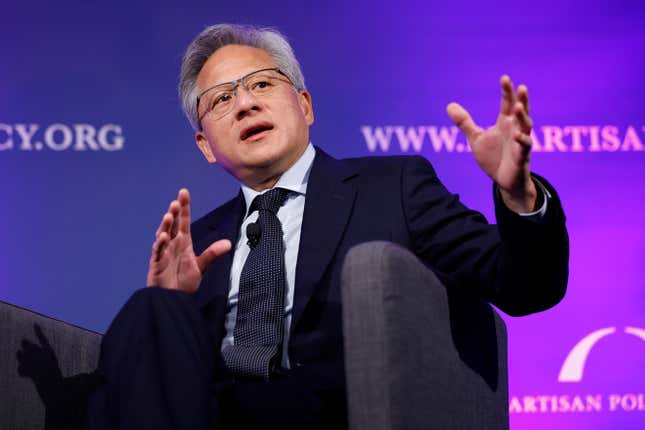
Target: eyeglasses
218, 100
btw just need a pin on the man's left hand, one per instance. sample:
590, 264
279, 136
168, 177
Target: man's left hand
503, 151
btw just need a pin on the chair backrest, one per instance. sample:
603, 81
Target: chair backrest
45, 370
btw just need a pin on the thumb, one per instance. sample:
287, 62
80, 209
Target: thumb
463, 120
210, 254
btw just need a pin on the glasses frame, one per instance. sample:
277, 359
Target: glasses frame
236, 83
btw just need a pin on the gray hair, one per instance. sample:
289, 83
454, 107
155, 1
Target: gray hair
220, 35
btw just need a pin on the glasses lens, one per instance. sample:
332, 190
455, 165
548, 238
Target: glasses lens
219, 100
263, 82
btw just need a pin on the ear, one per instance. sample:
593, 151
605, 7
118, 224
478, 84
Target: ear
306, 105
205, 147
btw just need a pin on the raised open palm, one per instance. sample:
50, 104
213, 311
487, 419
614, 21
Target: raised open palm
173, 263
503, 151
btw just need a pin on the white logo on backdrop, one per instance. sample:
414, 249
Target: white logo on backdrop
572, 370
61, 137
574, 365
548, 138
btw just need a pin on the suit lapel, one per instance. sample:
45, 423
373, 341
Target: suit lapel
221, 224
329, 201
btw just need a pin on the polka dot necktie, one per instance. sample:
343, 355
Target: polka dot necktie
259, 324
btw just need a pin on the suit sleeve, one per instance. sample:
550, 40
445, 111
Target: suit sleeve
519, 265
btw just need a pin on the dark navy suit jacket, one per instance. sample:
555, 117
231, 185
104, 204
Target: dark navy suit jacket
519, 265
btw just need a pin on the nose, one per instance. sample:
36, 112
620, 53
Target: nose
245, 102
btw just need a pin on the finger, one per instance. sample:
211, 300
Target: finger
159, 246
523, 97
211, 253
463, 120
164, 227
508, 95
521, 151
524, 140
524, 121
174, 209
158, 263
184, 211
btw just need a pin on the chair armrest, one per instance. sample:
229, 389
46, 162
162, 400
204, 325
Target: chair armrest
417, 354
45, 367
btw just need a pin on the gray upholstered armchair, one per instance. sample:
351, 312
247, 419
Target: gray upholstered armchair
418, 355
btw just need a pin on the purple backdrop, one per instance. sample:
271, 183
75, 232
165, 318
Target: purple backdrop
93, 146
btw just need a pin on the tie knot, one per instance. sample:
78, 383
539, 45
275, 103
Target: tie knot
270, 201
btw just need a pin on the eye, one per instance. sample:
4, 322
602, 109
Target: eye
221, 98
261, 85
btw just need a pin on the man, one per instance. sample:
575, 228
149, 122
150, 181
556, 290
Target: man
242, 325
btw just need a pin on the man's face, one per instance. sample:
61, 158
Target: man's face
283, 118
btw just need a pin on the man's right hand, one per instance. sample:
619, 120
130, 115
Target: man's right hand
173, 263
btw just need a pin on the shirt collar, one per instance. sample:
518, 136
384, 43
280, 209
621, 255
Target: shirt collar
294, 179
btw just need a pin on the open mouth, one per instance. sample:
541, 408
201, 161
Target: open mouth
255, 131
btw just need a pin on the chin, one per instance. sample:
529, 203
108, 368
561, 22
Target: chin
268, 151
